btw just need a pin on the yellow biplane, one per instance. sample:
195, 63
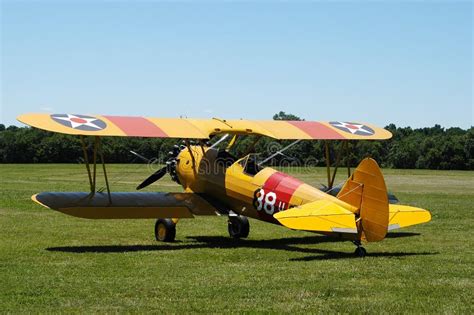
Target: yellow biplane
216, 182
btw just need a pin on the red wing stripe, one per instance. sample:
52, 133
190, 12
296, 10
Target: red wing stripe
137, 126
317, 130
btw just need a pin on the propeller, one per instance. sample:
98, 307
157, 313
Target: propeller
170, 168
153, 177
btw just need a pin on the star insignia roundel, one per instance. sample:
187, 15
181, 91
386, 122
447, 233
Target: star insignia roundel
79, 122
353, 128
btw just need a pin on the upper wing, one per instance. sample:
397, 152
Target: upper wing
184, 128
319, 216
126, 205
125, 126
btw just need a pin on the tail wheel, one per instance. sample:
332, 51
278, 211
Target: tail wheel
238, 226
165, 230
360, 252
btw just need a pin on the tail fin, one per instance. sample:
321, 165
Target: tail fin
366, 191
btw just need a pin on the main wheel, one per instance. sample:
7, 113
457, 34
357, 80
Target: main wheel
238, 226
165, 230
360, 252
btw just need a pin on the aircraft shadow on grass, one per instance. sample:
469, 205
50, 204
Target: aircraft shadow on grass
221, 242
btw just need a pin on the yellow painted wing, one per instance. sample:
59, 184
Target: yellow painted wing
184, 128
122, 126
402, 216
319, 216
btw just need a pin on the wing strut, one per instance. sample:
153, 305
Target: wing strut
343, 147
279, 152
347, 160
86, 159
188, 145
328, 163
101, 152
94, 160
97, 149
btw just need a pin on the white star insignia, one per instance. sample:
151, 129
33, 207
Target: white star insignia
79, 121
350, 127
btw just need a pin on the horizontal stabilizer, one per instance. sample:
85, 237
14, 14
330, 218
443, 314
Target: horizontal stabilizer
402, 216
319, 216
125, 205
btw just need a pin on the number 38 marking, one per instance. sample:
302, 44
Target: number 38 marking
265, 201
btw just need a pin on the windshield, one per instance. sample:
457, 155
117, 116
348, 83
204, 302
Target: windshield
249, 164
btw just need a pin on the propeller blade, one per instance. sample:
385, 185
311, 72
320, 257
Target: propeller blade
152, 178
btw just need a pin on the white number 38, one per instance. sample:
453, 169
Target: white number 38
265, 201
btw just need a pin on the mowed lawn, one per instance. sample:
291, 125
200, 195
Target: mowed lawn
50, 262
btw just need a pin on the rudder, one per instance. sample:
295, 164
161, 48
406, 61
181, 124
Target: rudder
366, 191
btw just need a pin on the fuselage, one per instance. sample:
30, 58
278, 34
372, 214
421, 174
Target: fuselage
241, 185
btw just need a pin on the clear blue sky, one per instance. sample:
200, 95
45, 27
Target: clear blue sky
409, 63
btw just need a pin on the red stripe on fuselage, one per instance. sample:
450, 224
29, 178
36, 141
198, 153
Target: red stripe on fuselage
285, 190
284, 186
317, 130
137, 126
272, 182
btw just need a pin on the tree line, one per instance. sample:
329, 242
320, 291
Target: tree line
422, 148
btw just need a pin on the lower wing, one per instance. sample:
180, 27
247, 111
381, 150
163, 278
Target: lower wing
126, 205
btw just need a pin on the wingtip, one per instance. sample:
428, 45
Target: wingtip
21, 118
28, 118
35, 199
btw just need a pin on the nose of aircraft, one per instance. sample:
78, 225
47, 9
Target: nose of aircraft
170, 168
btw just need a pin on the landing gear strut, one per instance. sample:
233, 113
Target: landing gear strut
238, 226
359, 251
165, 230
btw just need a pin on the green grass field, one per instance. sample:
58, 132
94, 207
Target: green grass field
50, 262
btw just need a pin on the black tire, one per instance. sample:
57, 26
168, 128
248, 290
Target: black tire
238, 226
360, 252
165, 230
